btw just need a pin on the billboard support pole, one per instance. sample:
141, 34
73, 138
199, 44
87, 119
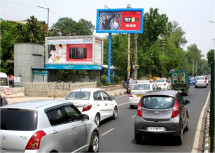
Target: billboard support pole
109, 57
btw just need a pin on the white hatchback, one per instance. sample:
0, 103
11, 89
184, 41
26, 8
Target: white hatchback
163, 84
94, 102
138, 91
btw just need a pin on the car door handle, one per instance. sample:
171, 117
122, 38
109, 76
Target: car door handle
54, 132
106, 104
98, 104
73, 127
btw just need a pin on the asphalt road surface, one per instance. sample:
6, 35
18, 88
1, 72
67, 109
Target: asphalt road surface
118, 135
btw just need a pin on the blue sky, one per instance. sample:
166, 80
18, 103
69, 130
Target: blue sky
192, 15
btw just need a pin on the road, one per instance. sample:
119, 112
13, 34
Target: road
118, 135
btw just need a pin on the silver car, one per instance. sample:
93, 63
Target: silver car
161, 112
200, 81
46, 126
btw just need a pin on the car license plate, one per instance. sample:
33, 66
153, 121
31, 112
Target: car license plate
139, 95
156, 129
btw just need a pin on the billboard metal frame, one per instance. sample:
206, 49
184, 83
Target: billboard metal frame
120, 10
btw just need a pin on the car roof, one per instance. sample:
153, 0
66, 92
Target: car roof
36, 104
87, 89
171, 93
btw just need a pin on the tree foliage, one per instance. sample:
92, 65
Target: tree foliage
210, 56
68, 27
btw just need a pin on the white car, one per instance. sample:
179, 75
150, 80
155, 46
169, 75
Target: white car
138, 91
200, 81
162, 83
94, 102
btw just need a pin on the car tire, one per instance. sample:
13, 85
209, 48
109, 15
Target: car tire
94, 142
195, 86
115, 113
131, 106
180, 137
138, 138
97, 119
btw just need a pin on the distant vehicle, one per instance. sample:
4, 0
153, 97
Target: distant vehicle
162, 83
192, 80
4, 82
134, 82
162, 112
138, 91
207, 81
94, 102
200, 81
46, 126
180, 81
209, 78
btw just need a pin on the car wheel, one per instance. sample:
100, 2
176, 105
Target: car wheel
94, 142
131, 106
195, 86
180, 138
97, 119
138, 138
115, 113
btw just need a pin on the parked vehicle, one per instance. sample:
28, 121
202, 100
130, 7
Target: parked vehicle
200, 81
46, 126
163, 84
180, 81
4, 82
138, 91
94, 102
162, 113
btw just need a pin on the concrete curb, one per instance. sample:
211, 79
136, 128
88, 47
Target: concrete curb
206, 133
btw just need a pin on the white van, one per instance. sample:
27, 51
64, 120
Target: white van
4, 82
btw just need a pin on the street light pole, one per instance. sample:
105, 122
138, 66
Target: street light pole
213, 39
47, 19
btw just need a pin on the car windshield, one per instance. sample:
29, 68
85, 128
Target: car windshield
160, 80
157, 102
142, 87
18, 119
200, 78
78, 95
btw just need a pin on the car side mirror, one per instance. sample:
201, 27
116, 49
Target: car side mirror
85, 117
186, 102
112, 98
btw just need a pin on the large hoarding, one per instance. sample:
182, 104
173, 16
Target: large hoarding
74, 52
119, 21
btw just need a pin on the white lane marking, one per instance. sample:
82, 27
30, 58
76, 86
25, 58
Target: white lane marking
123, 104
199, 126
108, 132
133, 116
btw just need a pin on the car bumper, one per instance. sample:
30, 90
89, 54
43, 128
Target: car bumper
172, 127
201, 84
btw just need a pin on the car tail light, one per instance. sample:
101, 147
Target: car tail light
175, 109
34, 142
139, 109
164, 84
87, 107
195, 81
204, 81
130, 94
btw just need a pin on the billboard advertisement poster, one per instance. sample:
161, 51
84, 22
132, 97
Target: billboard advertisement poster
119, 21
69, 51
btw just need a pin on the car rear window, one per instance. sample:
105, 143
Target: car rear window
161, 80
78, 95
200, 78
142, 87
157, 102
18, 119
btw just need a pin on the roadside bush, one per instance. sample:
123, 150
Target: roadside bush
104, 80
116, 79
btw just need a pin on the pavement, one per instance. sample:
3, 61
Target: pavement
11, 100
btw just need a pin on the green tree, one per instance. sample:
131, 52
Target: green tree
210, 56
68, 27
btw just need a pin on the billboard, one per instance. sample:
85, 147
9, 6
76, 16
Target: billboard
119, 21
68, 52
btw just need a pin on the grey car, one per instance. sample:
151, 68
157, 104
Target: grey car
161, 113
46, 126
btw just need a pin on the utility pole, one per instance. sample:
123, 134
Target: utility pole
135, 52
129, 53
47, 19
196, 68
193, 67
